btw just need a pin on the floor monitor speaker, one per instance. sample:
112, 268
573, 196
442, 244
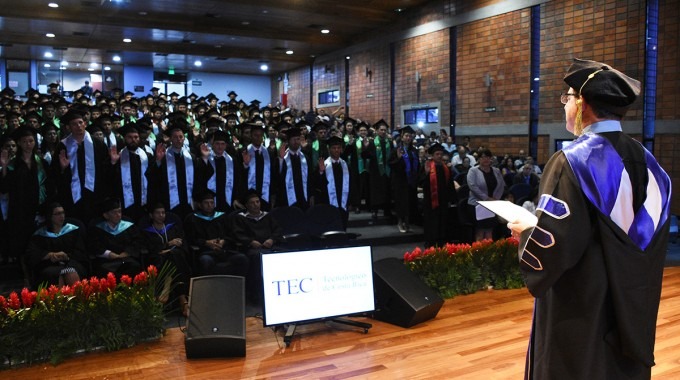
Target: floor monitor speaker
401, 297
216, 326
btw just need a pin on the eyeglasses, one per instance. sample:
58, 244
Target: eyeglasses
564, 98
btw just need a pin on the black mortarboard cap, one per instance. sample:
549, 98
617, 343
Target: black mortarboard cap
232, 93
154, 89
22, 132
293, 132
435, 147
203, 195
407, 129
173, 94
334, 140
603, 86
320, 125
381, 122
219, 135
109, 204
69, 116
127, 128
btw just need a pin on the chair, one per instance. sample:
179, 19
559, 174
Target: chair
293, 225
324, 225
520, 191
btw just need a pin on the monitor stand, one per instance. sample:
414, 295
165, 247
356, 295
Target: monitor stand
290, 331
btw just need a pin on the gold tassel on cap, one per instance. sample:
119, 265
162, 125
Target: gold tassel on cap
578, 123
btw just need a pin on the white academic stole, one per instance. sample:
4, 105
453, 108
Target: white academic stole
229, 186
126, 176
290, 184
72, 151
332, 195
252, 171
172, 176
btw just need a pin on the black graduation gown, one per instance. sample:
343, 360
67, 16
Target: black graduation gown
300, 185
322, 196
202, 173
380, 191
23, 186
436, 219
352, 155
156, 241
224, 261
597, 293
40, 244
136, 210
405, 189
128, 240
258, 161
239, 183
86, 207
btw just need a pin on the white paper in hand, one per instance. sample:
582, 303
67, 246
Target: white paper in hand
510, 212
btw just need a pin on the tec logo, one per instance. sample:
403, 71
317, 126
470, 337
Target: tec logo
293, 286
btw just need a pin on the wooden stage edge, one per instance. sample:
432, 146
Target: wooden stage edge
479, 336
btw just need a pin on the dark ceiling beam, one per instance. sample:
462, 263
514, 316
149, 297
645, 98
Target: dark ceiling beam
158, 47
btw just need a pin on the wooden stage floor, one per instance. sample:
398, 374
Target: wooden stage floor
480, 336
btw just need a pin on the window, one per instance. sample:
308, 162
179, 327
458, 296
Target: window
328, 97
421, 116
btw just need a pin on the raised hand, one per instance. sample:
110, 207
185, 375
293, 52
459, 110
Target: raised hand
114, 155
63, 160
4, 158
282, 150
322, 165
160, 152
246, 157
205, 151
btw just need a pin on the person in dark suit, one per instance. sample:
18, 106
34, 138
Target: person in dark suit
527, 175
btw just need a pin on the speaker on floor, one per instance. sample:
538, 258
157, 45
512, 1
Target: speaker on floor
216, 326
401, 297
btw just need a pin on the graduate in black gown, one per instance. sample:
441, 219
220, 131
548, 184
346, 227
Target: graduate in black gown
209, 230
24, 179
437, 181
163, 237
594, 259
334, 180
132, 171
405, 166
178, 173
228, 179
255, 230
295, 170
114, 244
56, 252
377, 151
263, 167
81, 169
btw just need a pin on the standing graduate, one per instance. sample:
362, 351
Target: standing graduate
595, 258
263, 167
228, 179
377, 150
437, 181
81, 169
295, 172
405, 165
132, 173
334, 180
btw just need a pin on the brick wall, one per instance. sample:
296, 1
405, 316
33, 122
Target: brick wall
611, 31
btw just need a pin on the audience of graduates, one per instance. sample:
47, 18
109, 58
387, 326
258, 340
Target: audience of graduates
191, 180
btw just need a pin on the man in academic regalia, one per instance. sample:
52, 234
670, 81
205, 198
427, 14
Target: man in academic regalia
81, 169
317, 148
262, 167
334, 179
295, 172
114, 243
179, 174
594, 260
404, 164
208, 229
377, 150
132, 173
437, 181
228, 179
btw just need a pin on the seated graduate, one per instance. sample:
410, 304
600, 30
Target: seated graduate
56, 252
113, 242
209, 229
255, 230
164, 241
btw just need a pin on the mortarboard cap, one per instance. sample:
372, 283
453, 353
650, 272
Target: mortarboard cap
293, 132
232, 93
70, 116
334, 140
603, 86
109, 204
435, 148
129, 128
381, 122
407, 129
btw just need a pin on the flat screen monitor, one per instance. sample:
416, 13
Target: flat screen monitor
304, 286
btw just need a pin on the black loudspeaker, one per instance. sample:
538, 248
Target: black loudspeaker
216, 326
401, 297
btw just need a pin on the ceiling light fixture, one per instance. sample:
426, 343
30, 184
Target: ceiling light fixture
64, 63
127, 40
107, 68
116, 58
48, 54
289, 52
264, 67
47, 65
198, 63
53, 5
325, 31
50, 35
90, 69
